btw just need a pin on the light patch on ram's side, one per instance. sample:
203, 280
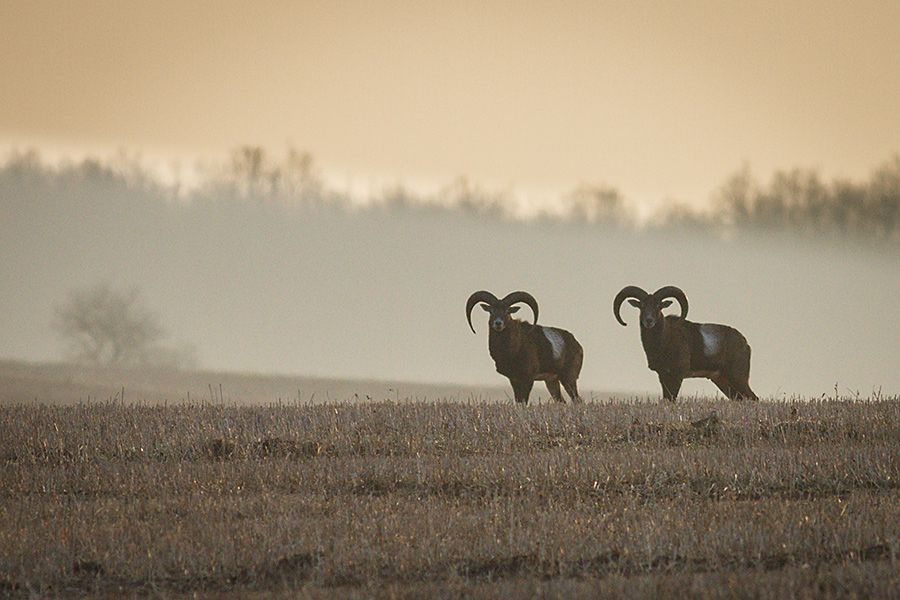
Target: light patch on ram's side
556, 341
711, 340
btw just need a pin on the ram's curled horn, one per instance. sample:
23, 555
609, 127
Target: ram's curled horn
516, 297
670, 291
481, 296
629, 291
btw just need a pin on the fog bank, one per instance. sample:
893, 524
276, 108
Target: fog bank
334, 292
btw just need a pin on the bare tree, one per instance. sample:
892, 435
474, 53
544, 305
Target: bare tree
471, 199
252, 173
735, 199
598, 204
104, 326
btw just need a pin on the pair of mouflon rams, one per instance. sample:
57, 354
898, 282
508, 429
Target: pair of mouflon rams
675, 347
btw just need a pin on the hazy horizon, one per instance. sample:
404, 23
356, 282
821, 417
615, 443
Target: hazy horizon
312, 287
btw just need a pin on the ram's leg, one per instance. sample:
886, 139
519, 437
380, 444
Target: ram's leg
671, 384
571, 386
522, 389
743, 391
746, 393
569, 377
740, 376
724, 383
553, 388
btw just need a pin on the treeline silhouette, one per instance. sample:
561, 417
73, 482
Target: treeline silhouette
797, 202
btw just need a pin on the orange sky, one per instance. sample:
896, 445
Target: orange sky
660, 99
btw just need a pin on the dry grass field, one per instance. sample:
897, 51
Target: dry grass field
352, 499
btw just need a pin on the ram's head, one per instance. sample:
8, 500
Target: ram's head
650, 305
500, 310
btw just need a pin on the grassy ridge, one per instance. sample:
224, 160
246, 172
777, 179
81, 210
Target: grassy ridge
452, 499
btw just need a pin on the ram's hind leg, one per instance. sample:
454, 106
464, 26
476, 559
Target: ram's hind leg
569, 377
571, 386
553, 388
742, 387
745, 393
724, 384
739, 376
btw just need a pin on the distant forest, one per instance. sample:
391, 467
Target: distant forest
796, 202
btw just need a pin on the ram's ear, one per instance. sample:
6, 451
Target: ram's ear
485, 307
665, 304
634, 303
514, 309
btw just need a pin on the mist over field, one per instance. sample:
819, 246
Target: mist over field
287, 276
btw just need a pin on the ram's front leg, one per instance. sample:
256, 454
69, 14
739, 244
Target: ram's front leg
522, 389
671, 384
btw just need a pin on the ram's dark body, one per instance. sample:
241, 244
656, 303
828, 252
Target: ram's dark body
525, 352
677, 348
